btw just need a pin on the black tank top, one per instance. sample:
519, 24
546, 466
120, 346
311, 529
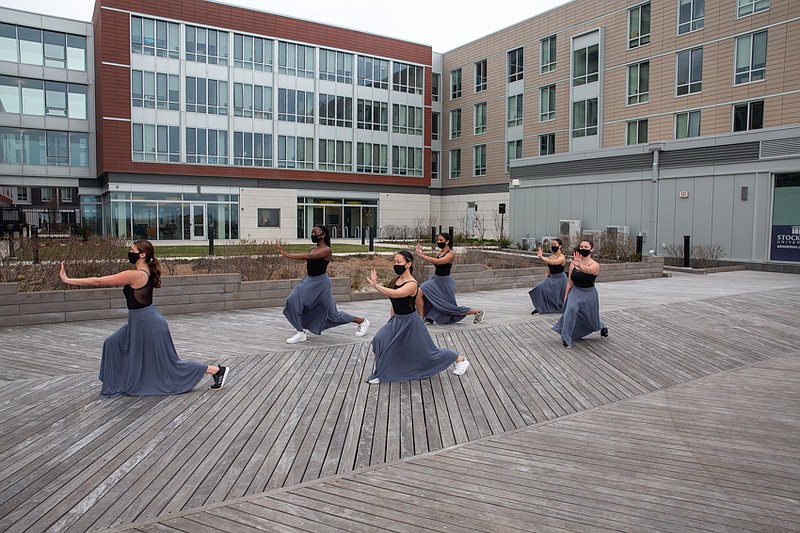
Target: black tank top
556, 269
582, 279
443, 270
317, 267
405, 305
141, 297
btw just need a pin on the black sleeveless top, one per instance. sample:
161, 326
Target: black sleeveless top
582, 279
141, 297
443, 270
556, 269
405, 305
317, 267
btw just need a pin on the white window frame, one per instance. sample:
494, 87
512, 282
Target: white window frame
638, 96
640, 39
637, 130
547, 103
454, 171
693, 118
691, 82
479, 160
552, 50
745, 8
752, 73
695, 22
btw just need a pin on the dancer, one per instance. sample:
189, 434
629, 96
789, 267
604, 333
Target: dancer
139, 359
438, 294
548, 295
581, 305
404, 350
310, 306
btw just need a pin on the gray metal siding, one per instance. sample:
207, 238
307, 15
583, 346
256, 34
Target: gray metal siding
600, 165
710, 155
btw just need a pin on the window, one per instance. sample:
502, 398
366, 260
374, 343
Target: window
455, 164
436, 119
78, 149
76, 52
372, 158
751, 58
547, 144
436, 81
55, 97
155, 37
335, 66
151, 143
480, 118
584, 118
10, 95
481, 76
636, 132
76, 105
515, 110
296, 60
269, 218
55, 49
204, 96
516, 65
748, 116
66, 195
335, 155
295, 106
690, 15
252, 53
295, 152
406, 161
57, 148
23, 194
406, 119
514, 151
30, 46
47, 193
547, 103
207, 46
8, 43
252, 101
687, 124
639, 83
690, 71
548, 60
585, 65
748, 7
434, 165
34, 147
32, 97
252, 149
407, 78
455, 84
336, 110
639, 25
206, 146
10, 146
479, 160
455, 123
372, 115
373, 72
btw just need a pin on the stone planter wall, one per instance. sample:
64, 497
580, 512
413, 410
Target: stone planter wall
225, 292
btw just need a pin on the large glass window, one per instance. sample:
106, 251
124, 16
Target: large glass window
252, 101
34, 147
58, 148
586, 64
373, 72
206, 96
455, 163
8, 43
513, 151
336, 110
547, 103
515, 110
748, 116
296, 59
584, 118
10, 146
372, 158
748, 7
206, 46
455, 123
295, 152
335, 66
206, 146
407, 119
547, 144
55, 49
690, 15
751, 57
296, 106
55, 96
636, 132
30, 46
548, 55
32, 97
10, 95
77, 100
639, 25
252, 149
335, 155
516, 65
480, 118
151, 143
252, 53
687, 124
455, 84
76, 52
407, 78
690, 72
406, 161
479, 160
155, 37
481, 76
639, 83
372, 115
78, 149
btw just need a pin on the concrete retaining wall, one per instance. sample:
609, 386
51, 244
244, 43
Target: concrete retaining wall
225, 292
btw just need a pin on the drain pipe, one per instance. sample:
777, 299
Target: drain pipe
656, 148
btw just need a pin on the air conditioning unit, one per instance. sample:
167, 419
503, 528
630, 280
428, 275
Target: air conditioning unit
547, 241
593, 235
612, 232
569, 228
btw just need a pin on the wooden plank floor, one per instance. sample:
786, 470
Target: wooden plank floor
617, 433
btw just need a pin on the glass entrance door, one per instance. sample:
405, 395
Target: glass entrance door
198, 222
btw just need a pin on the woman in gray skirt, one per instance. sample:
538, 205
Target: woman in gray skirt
581, 305
310, 306
139, 359
438, 294
404, 350
548, 295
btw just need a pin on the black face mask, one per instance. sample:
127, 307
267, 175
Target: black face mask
441, 244
554, 248
314, 238
399, 269
584, 253
133, 257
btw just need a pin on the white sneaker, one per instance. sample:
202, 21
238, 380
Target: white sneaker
362, 328
373, 381
479, 316
300, 336
461, 367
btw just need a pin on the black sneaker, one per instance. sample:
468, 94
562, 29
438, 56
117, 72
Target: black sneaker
535, 312
220, 377
604, 332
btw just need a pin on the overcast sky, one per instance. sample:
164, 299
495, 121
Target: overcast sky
442, 24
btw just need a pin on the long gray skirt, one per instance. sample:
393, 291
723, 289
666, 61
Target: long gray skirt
548, 295
139, 359
311, 306
404, 351
440, 305
581, 315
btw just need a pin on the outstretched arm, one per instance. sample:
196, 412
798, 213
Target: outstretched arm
126, 277
316, 253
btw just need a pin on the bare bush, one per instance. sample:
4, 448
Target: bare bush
700, 255
617, 248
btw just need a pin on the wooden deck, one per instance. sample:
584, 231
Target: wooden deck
685, 418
